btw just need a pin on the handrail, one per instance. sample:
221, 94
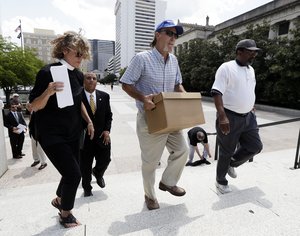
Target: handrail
279, 122
297, 158
269, 124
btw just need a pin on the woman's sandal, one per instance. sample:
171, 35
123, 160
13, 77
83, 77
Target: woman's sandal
69, 221
56, 204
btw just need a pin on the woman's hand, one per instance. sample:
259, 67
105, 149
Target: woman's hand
54, 87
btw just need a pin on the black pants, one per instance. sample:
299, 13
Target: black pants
16, 143
102, 157
65, 158
240, 145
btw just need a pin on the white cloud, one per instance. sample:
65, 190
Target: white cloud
95, 18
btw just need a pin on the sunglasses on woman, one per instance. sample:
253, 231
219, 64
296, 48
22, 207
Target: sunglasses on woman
77, 54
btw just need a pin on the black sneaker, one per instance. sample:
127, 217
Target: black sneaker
87, 193
206, 162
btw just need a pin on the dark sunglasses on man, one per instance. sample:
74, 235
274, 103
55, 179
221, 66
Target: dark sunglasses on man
170, 33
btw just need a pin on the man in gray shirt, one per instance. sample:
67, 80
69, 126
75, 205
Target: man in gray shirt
150, 73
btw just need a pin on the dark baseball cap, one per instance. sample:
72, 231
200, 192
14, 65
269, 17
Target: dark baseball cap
169, 24
248, 44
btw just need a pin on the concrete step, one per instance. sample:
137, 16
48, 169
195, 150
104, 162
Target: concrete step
264, 201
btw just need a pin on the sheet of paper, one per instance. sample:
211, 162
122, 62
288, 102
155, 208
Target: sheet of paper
64, 97
21, 128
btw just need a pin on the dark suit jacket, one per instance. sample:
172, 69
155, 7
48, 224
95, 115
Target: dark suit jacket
10, 121
103, 116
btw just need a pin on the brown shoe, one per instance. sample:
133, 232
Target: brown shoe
151, 204
176, 191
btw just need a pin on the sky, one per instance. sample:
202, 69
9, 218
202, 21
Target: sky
96, 17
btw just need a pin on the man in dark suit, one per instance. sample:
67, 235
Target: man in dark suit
16, 134
98, 107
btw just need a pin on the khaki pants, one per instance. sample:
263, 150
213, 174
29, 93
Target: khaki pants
38, 153
152, 147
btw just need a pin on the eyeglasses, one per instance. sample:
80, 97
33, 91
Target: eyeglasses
90, 78
170, 33
77, 54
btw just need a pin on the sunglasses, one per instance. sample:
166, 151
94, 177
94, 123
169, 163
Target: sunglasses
170, 33
77, 54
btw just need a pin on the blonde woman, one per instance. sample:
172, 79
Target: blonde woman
58, 129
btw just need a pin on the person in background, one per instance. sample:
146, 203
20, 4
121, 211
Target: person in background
59, 129
150, 73
38, 153
12, 122
198, 135
98, 107
15, 100
234, 96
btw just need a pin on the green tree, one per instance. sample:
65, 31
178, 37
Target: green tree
122, 71
283, 78
17, 67
199, 63
276, 66
110, 78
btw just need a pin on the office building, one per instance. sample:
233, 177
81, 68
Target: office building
101, 52
135, 24
40, 41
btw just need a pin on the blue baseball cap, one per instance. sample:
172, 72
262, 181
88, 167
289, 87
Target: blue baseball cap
169, 24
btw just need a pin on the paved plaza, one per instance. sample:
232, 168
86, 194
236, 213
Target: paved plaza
265, 198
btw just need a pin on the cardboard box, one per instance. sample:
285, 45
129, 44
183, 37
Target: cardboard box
175, 111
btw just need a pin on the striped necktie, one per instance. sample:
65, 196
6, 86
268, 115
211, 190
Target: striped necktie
92, 104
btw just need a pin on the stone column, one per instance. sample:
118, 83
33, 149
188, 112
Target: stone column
3, 157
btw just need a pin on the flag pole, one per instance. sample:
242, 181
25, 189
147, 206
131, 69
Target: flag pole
22, 41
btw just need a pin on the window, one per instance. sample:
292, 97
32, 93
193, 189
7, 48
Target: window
283, 28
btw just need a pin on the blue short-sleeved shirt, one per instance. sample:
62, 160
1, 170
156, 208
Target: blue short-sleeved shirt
150, 74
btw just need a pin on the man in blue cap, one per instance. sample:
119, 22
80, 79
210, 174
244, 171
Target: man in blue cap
148, 74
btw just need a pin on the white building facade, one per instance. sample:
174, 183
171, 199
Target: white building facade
281, 15
135, 24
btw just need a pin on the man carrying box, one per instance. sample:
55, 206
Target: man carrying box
148, 74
